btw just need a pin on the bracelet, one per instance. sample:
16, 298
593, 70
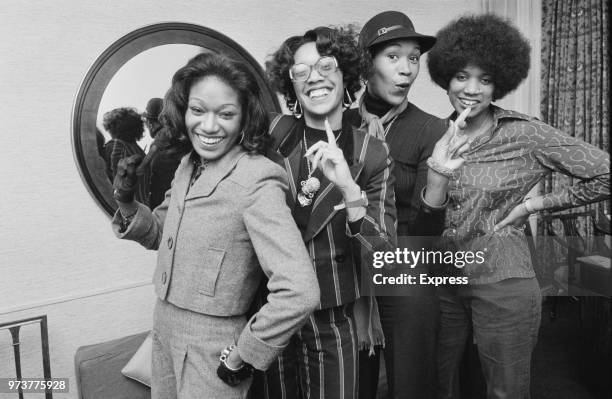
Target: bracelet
225, 354
230, 376
430, 207
361, 202
125, 221
436, 167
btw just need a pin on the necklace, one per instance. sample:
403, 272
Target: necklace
310, 186
199, 166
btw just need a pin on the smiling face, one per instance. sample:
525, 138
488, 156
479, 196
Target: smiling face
320, 96
471, 87
394, 69
213, 117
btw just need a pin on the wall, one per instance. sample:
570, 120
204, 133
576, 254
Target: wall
57, 253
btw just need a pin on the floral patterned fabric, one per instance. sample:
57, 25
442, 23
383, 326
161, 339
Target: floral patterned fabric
575, 86
575, 69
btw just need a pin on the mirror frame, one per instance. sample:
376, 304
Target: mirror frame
87, 101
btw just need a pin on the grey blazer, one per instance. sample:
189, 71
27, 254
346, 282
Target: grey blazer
216, 239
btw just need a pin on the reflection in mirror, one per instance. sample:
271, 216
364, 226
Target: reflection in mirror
128, 117
130, 74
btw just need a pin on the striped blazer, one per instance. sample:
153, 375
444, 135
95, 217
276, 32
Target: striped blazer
337, 253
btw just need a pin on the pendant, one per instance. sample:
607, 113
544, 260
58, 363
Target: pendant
310, 185
304, 200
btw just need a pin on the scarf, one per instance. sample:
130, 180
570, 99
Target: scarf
367, 324
374, 123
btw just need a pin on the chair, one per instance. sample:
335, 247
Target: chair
595, 268
98, 370
585, 267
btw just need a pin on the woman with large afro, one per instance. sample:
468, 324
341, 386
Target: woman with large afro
126, 127
477, 60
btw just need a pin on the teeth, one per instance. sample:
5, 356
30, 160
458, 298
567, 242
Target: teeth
209, 140
469, 103
318, 93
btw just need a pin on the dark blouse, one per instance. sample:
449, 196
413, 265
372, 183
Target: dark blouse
411, 137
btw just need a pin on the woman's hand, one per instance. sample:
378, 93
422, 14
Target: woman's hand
330, 159
448, 150
234, 360
446, 157
517, 218
126, 178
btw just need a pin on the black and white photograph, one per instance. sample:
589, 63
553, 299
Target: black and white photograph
296, 199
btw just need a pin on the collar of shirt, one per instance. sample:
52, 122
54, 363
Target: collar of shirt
498, 115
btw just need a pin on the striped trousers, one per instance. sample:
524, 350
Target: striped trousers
321, 361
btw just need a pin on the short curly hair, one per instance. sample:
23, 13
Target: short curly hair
124, 123
255, 120
487, 41
340, 42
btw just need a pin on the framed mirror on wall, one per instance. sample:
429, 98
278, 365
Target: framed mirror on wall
137, 67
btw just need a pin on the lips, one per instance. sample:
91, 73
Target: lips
318, 93
208, 141
467, 102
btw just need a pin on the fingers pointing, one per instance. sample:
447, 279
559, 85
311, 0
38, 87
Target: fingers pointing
331, 139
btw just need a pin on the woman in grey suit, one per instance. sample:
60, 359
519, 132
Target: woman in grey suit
223, 225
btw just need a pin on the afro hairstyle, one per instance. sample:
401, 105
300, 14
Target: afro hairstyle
124, 123
487, 41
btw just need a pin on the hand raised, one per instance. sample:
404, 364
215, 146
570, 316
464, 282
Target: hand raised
448, 150
328, 157
126, 178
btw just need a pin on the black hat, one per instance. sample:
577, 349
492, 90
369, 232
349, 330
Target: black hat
392, 25
154, 108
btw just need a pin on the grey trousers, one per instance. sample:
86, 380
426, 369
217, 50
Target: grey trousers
186, 349
504, 318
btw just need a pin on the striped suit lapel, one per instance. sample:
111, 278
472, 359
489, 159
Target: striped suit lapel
290, 151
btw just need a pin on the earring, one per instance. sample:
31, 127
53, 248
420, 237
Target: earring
347, 99
241, 137
296, 110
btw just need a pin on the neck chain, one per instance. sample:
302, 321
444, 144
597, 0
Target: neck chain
311, 185
199, 166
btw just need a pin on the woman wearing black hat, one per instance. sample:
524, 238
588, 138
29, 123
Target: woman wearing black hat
410, 317
477, 60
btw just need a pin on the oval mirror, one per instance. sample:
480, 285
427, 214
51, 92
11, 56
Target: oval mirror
137, 67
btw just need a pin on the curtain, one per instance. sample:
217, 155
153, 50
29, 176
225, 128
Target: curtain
575, 81
575, 68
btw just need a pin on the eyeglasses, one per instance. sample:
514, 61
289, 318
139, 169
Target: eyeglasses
324, 66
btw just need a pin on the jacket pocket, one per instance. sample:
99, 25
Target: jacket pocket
213, 258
